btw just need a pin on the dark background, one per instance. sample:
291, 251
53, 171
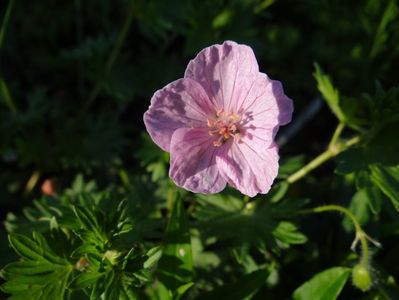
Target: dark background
82, 73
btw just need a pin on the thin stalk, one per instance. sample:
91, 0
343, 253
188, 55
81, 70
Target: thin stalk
336, 135
114, 54
322, 158
341, 209
360, 234
5, 92
326, 155
4, 25
3, 86
171, 197
364, 261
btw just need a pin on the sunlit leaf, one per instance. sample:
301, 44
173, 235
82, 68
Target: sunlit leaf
287, 232
41, 274
226, 217
175, 267
387, 179
326, 285
329, 92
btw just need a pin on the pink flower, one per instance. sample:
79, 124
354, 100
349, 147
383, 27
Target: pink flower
219, 122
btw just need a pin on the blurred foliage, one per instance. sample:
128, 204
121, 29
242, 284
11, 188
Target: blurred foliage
107, 223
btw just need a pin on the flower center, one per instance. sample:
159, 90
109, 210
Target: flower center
223, 127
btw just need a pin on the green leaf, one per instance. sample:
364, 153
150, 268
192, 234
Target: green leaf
181, 290
222, 19
381, 36
42, 217
25, 247
119, 286
375, 164
91, 230
153, 255
288, 233
326, 285
36, 249
160, 292
381, 149
84, 250
242, 289
290, 165
382, 109
372, 193
175, 267
278, 191
41, 274
359, 206
6, 19
153, 158
329, 93
387, 179
213, 206
28, 268
226, 217
374, 197
86, 218
6, 95
85, 280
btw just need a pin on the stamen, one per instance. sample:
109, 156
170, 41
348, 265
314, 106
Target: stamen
223, 126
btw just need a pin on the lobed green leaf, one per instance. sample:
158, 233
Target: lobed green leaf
326, 285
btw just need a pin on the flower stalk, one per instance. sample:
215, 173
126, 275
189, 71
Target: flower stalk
360, 273
6, 19
335, 147
360, 235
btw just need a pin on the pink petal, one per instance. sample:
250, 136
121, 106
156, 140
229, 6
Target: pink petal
181, 104
248, 167
265, 108
192, 161
225, 71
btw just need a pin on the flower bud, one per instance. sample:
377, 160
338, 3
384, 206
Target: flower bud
112, 256
361, 277
82, 264
49, 187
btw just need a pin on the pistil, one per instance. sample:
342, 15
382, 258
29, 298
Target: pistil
223, 127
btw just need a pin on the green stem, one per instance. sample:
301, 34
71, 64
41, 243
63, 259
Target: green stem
3, 86
360, 234
114, 54
326, 155
5, 92
336, 135
331, 152
5, 21
341, 209
365, 249
171, 197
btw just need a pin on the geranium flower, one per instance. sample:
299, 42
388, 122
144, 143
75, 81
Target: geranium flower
219, 122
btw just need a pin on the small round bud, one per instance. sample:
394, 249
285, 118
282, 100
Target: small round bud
49, 187
361, 277
82, 264
112, 256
